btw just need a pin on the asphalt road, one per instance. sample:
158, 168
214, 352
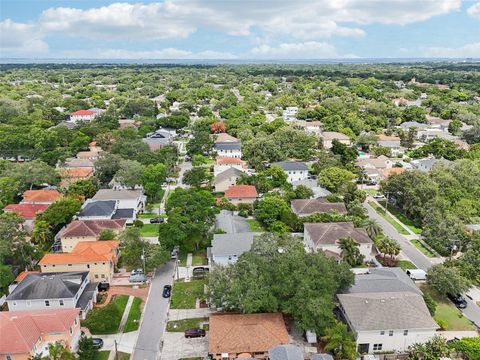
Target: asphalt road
154, 316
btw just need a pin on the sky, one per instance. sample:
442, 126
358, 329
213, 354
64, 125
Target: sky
239, 29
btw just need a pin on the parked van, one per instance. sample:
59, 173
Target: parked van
417, 274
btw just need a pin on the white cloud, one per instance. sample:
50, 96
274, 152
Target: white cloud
167, 53
19, 39
467, 50
303, 50
474, 10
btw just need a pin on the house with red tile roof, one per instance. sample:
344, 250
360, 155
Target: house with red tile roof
83, 115
28, 333
224, 163
71, 175
44, 196
27, 212
97, 257
241, 194
87, 230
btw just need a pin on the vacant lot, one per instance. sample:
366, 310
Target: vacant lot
185, 294
105, 320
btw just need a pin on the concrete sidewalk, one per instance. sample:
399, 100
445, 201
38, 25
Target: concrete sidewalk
126, 312
180, 314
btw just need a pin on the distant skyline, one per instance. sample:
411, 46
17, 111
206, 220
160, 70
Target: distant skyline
238, 30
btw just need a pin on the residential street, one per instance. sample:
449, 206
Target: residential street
154, 316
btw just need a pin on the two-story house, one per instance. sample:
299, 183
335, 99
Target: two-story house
228, 149
295, 170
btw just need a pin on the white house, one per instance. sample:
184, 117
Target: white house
126, 199
39, 291
226, 248
386, 311
290, 113
296, 171
84, 115
228, 149
224, 163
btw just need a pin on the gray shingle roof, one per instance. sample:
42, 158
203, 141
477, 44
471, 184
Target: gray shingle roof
232, 244
98, 208
123, 214
230, 172
330, 233
291, 165
61, 285
227, 146
285, 352
384, 280
316, 206
110, 194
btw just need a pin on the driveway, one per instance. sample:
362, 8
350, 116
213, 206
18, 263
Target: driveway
154, 317
176, 346
231, 223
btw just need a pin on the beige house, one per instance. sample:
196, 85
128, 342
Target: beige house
226, 179
329, 136
97, 257
241, 194
87, 230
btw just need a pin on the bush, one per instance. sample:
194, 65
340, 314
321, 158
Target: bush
138, 223
431, 304
243, 213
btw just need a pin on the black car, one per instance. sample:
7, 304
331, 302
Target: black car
97, 343
157, 220
458, 300
167, 291
103, 286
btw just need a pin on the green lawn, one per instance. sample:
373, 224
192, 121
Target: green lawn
255, 226
149, 230
123, 356
182, 258
405, 265
105, 320
102, 355
381, 211
422, 248
447, 315
199, 258
406, 221
147, 216
185, 294
371, 191
133, 320
182, 325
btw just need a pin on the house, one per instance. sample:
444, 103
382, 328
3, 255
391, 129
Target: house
312, 184
158, 139
225, 163
87, 230
224, 137
63, 290
241, 194
373, 167
427, 164
285, 352
290, 113
386, 311
25, 334
72, 175
407, 125
41, 196
27, 212
392, 171
226, 179
296, 171
231, 223
99, 258
127, 123
83, 115
78, 163
392, 143
127, 199
329, 136
325, 237
306, 207
228, 149
226, 248
245, 335
98, 210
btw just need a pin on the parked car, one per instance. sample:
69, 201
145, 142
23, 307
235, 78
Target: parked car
167, 291
416, 274
136, 278
458, 300
194, 333
174, 253
97, 343
378, 196
157, 220
200, 271
103, 286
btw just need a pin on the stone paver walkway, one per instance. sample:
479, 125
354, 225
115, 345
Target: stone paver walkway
123, 321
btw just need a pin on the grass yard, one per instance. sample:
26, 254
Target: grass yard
102, 355
255, 225
147, 216
185, 294
405, 265
371, 192
381, 211
105, 320
133, 320
422, 248
447, 315
123, 356
182, 258
182, 325
406, 221
149, 230
199, 258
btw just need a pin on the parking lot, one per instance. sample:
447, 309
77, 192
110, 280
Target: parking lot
176, 346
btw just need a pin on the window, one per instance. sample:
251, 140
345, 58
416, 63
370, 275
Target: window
88, 266
96, 276
390, 333
47, 303
61, 302
69, 264
103, 276
8, 357
29, 303
75, 321
377, 347
382, 332
71, 331
405, 332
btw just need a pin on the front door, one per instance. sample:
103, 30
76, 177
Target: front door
363, 348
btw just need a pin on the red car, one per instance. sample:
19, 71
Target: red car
194, 333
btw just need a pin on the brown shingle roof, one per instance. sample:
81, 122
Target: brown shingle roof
79, 228
239, 333
314, 206
330, 233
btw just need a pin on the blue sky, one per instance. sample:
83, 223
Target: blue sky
239, 29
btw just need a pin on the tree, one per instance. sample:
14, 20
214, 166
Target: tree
407, 139
58, 351
6, 278
454, 127
42, 233
414, 113
11, 236
106, 166
340, 341
433, 349
468, 346
388, 246
129, 173
440, 148
59, 213
372, 227
303, 192
335, 179
86, 349
217, 127
347, 154
447, 280
350, 251
271, 209
152, 179
82, 188
197, 176
107, 234
8, 190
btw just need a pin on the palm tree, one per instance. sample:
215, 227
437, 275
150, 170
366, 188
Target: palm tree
340, 341
41, 232
389, 246
350, 251
58, 351
372, 228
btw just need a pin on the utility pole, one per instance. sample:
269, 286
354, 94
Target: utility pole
143, 259
453, 247
116, 350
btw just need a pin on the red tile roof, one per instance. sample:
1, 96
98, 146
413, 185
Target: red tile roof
76, 172
20, 330
41, 196
229, 161
79, 228
26, 211
241, 191
83, 112
84, 252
